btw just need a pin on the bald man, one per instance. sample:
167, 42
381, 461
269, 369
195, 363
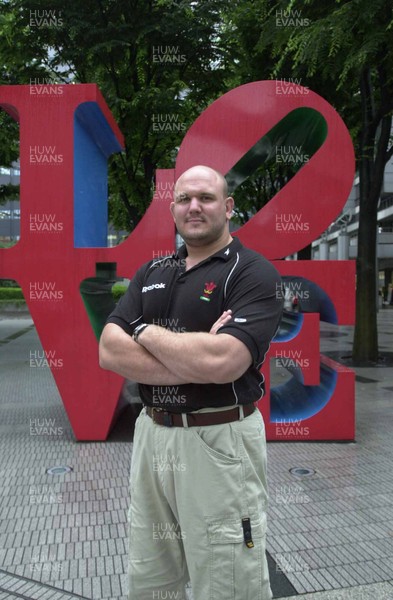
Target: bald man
193, 330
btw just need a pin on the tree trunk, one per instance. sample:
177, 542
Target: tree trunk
365, 346
373, 152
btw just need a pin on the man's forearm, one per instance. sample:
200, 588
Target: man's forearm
120, 354
198, 357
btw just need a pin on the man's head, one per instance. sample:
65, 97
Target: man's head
201, 208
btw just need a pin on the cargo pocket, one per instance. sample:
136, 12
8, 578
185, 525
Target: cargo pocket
238, 572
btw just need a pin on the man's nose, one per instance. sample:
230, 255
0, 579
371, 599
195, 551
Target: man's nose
195, 204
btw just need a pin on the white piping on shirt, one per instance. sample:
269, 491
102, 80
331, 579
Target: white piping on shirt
132, 322
160, 260
234, 392
233, 268
225, 295
262, 390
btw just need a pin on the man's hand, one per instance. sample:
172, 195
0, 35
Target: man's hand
223, 320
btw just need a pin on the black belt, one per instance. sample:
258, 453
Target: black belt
170, 419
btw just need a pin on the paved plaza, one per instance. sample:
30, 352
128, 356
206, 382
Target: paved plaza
64, 536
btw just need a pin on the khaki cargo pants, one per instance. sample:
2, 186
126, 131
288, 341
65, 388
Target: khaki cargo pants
190, 489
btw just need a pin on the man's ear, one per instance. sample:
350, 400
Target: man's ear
172, 209
229, 204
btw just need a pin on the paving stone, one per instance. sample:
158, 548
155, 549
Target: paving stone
343, 533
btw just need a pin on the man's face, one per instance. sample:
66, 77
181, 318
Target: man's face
200, 210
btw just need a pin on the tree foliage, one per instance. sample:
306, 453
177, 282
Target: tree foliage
153, 61
342, 50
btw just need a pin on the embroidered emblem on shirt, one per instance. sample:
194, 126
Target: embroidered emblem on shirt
207, 291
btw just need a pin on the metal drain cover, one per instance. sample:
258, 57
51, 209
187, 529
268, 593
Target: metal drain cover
302, 472
59, 470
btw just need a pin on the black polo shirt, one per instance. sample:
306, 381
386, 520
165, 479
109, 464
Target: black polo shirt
164, 293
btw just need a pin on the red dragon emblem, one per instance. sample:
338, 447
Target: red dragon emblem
207, 291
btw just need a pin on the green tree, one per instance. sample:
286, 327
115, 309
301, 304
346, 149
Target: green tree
342, 50
9, 152
153, 61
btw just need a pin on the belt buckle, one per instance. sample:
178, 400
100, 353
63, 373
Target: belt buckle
153, 410
168, 421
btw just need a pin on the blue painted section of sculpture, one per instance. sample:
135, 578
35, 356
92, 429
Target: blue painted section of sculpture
94, 141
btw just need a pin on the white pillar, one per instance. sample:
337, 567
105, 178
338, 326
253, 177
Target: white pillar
323, 250
343, 246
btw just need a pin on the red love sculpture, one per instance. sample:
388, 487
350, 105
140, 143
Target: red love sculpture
65, 139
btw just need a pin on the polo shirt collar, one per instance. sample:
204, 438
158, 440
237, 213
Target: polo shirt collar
225, 253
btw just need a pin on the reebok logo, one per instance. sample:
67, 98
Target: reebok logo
155, 286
